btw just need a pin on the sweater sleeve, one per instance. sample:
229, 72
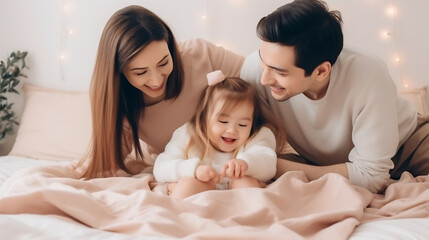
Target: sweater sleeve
375, 133
171, 164
218, 58
260, 155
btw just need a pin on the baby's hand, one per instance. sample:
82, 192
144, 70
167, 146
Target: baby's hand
206, 173
236, 168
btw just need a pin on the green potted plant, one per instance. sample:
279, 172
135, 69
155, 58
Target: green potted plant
10, 73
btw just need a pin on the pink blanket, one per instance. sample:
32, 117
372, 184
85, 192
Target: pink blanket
290, 208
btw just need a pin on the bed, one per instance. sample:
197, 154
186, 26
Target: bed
35, 203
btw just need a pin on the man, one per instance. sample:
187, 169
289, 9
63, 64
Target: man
340, 108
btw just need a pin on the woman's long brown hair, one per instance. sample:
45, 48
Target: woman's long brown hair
117, 106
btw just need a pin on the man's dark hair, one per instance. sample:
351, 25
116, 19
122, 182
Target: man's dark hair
309, 27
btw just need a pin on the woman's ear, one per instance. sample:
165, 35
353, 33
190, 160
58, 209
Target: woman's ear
322, 71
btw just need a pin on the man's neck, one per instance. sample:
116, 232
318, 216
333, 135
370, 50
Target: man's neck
318, 89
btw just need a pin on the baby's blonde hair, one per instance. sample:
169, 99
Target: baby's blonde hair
232, 92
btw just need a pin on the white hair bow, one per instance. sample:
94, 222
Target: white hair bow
215, 77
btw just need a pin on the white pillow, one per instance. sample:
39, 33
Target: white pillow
55, 124
419, 98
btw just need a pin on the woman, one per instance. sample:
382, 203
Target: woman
144, 86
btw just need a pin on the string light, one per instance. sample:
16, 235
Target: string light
65, 33
405, 83
385, 34
397, 59
392, 12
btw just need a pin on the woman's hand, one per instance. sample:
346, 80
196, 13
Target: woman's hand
236, 168
206, 173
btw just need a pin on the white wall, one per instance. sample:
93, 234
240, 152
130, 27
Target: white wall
42, 28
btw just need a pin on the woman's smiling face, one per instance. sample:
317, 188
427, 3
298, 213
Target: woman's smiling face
149, 70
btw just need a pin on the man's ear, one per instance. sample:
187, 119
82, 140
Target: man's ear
322, 71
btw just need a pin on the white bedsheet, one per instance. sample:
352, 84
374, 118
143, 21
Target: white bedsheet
10, 164
411, 228
32, 226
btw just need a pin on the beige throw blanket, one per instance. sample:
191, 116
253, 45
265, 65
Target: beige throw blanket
290, 208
